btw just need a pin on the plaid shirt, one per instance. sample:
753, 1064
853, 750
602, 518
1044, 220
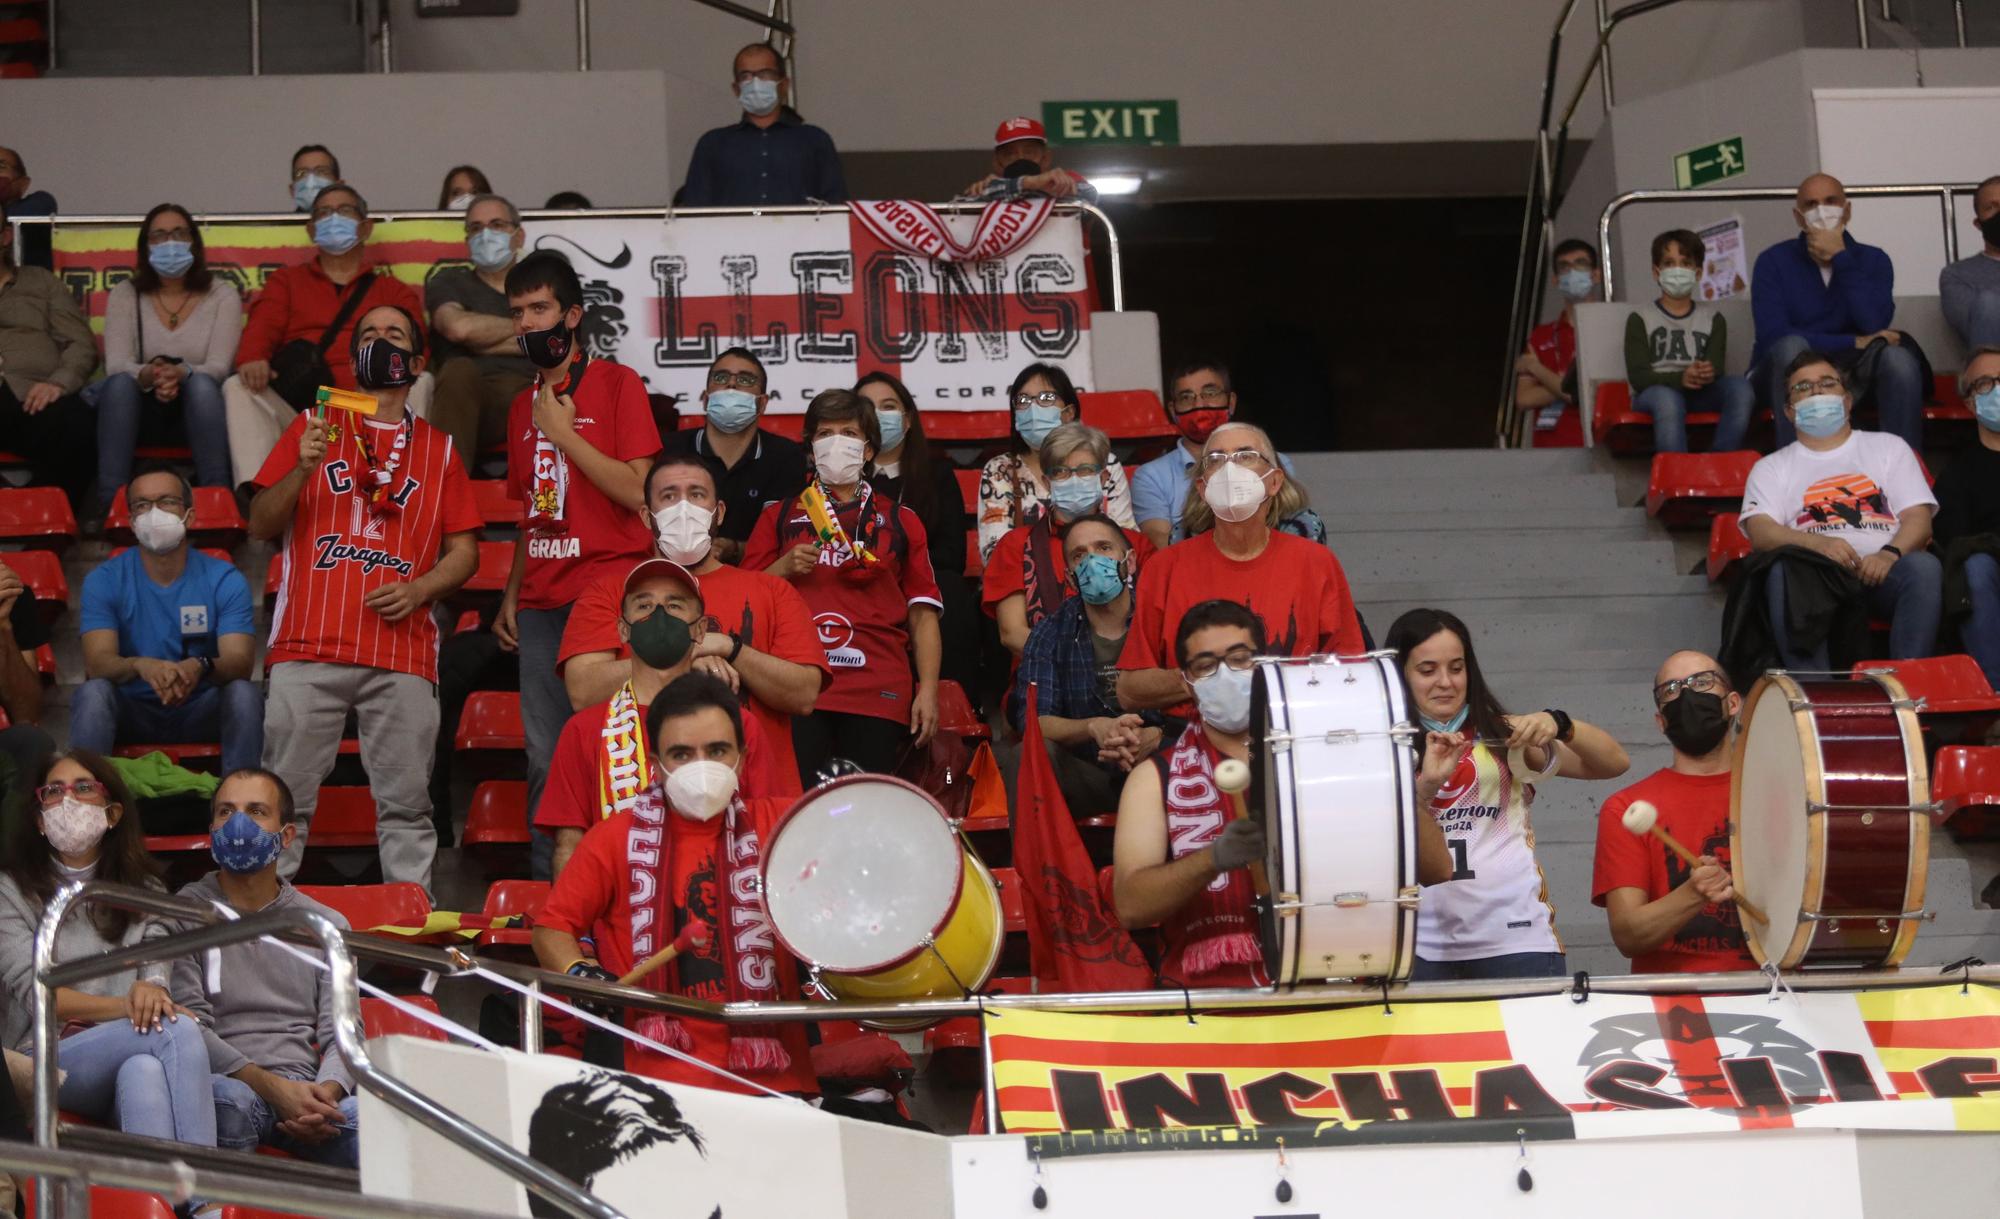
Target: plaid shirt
1060, 662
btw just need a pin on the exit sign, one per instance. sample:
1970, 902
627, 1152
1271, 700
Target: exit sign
1157, 122
1709, 163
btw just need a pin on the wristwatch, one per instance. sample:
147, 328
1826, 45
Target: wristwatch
1565, 727
207, 667
735, 647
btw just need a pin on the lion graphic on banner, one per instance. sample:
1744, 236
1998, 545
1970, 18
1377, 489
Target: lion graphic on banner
588, 1125
603, 327
1654, 1037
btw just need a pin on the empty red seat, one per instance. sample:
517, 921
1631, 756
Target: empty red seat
496, 559
109, 1203
36, 516
1965, 781
1688, 489
492, 720
1626, 432
365, 906
1949, 406
381, 1018
968, 427
217, 520
45, 664
1727, 547
42, 572
955, 713
499, 814
513, 897
968, 486
345, 819
496, 505
1013, 911
1945, 685
1126, 414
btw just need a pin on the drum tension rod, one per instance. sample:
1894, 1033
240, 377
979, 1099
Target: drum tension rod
1930, 809
1833, 920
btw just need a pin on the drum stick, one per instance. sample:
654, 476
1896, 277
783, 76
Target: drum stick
1233, 777
694, 935
1643, 818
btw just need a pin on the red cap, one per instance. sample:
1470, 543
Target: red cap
660, 567
1020, 127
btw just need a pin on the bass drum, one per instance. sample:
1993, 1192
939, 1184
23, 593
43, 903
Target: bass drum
1335, 782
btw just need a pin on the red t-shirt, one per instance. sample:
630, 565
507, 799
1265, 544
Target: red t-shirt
1295, 586
613, 417
339, 547
300, 303
593, 895
1005, 576
861, 614
763, 611
570, 797
1695, 810
1554, 344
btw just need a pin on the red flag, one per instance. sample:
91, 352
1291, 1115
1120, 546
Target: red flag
1074, 940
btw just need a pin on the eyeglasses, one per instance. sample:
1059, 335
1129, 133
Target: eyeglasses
1825, 385
1068, 472
1209, 396
1047, 397
768, 75
159, 235
1708, 681
82, 789
499, 224
724, 379
1983, 385
1241, 658
1248, 458
165, 503
345, 209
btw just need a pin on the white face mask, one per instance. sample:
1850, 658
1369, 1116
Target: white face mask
839, 459
158, 530
1224, 699
460, 202
1234, 493
681, 532
1825, 216
73, 827
700, 790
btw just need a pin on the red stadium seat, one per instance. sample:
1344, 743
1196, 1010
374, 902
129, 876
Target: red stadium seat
42, 572
1949, 406
968, 486
496, 505
1127, 414
1013, 913
366, 906
1965, 781
968, 427
345, 819
36, 516
19, 71
1727, 547
513, 897
380, 1018
109, 1203
217, 521
200, 752
45, 664
955, 713
975, 563
1626, 432
499, 814
496, 559
963, 1032
1945, 685
1687, 490
492, 720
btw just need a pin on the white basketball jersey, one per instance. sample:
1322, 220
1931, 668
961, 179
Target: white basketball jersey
1496, 903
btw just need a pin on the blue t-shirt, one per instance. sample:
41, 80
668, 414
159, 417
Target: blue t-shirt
1160, 487
174, 622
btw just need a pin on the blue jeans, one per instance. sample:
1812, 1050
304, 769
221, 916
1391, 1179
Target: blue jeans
1982, 321
1982, 629
155, 1084
121, 416
1911, 598
243, 1122
101, 715
544, 710
1898, 392
1730, 397
1512, 965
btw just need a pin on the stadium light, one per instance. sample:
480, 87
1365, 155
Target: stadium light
1117, 184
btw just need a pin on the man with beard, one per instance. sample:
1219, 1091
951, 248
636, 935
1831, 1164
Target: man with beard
1666, 916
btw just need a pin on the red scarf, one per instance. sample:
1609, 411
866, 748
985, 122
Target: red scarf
1217, 927
383, 489
750, 960
548, 473
916, 228
1040, 587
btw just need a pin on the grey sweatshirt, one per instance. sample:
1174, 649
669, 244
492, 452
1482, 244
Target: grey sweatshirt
269, 1008
20, 914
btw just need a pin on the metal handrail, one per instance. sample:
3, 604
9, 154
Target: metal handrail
958, 206
1945, 192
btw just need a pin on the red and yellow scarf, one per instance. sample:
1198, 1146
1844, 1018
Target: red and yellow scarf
1217, 927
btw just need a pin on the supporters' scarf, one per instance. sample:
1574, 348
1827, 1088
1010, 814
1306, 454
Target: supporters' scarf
624, 773
1042, 588
1217, 925
825, 518
382, 474
750, 962
548, 485
916, 228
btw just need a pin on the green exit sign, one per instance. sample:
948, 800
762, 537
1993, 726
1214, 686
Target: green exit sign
1709, 163
1157, 122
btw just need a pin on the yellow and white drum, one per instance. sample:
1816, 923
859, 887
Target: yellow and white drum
869, 885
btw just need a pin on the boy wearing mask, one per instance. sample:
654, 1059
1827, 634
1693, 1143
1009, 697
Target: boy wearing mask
1674, 351
1542, 373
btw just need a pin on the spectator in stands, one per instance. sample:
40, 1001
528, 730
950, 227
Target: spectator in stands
1860, 507
1023, 165
579, 443
865, 568
1824, 291
170, 334
1485, 910
314, 168
168, 638
758, 634
265, 1008
752, 465
305, 313
376, 523
1666, 916
1544, 374
568, 201
926, 482
1200, 399
462, 185
140, 1064
22, 743
46, 354
1675, 349
1969, 289
1071, 659
1027, 576
480, 368
641, 878
20, 198
1968, 518
770, 156
1287, 582
1012, 488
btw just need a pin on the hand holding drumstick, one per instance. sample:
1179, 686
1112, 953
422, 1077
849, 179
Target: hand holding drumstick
1642, 818
694, 935
1233, 777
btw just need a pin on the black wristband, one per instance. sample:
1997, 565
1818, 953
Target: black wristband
735, 648
1893, 549
1565, 727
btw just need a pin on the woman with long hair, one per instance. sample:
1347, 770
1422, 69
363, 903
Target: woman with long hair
170, 335
141, 1060
1013, 490
462, 184
1492, 918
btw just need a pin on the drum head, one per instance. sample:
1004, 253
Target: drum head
860, 873
1770, 831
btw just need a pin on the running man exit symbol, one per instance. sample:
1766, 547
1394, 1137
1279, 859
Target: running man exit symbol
1709, 163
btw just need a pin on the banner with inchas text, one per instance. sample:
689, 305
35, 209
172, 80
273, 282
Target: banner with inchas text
821, 299
1920, 1058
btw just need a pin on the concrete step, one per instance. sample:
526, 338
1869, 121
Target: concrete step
1421, 463
1374, 516
1445, 501
1566, 561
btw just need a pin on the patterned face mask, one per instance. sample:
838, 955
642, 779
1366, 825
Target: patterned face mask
241, 846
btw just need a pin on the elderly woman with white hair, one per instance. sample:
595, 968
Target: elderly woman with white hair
1295, 586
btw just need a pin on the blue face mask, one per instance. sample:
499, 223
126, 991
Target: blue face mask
241, 846
731, 410
1453, 724
1074, 497
306, 189
1987, 407
1820, 416
491, 250
171, 258
894, 428
336, 234
1099, 578
759, 97
1034, 423
1575, 284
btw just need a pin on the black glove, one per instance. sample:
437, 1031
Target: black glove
594, 972
1242, 842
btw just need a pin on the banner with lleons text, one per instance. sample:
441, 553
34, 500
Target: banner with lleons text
821, 299
1615, 1065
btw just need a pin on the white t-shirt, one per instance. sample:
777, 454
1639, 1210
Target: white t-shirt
1854, 492
1496, 903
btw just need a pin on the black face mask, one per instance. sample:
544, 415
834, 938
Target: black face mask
1990, 229
547, 348
659, 639
1020, 167
380, 364
1696, 722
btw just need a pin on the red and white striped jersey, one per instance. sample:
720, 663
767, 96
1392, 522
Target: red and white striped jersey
340, 547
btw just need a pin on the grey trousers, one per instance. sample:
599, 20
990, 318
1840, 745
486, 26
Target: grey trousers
304, 711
